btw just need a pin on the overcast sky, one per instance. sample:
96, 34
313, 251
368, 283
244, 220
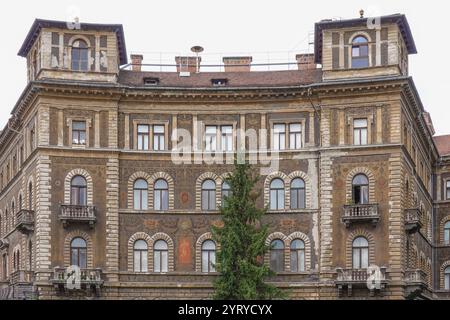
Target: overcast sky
232, 26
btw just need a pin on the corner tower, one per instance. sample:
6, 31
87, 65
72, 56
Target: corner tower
364, 47
74, 51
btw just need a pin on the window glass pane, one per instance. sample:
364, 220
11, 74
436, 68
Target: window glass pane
277, 184
295, 127
158, 129
74, 257
205, 262
143, 129
280, 198
360, 179
364, 51
140, 245
204, 200
82, 200
302, 199
447, 282
364, 258
78, 243
279, 128
273, 199
144, 199
294, 199
83, 260
360, 123
137, 200
363, 136
157, 261
137, 261
301, 262
212, 257
356, 137
212, 200
364, 195
165, 200
447, 236
164, 261
79, 125
294, 261
355, 52
157, 200
144, 258
356, 261
282, 141
360, 242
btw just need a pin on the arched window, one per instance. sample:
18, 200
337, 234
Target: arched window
226, 191
140, 195
78, 253
80, 56
13, 214
208, 256
5, 266
209, 195
78, 191
298, 200
30, 196
297, 256
20, 202
160, 256
17, 260
447, 278
161, 195
277, 255
140, 256
360, 187
360, 52
277, 194
447, 232
360, 253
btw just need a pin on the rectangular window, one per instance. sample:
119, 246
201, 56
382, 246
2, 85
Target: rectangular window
227, 138
79, 133
295, 136
211, 138
448, 190
279, 137
158, 138
360, 132
143, 137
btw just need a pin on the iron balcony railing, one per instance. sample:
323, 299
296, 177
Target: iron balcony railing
361, 213
25, 220
76, 213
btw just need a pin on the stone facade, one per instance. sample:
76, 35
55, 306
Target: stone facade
45, 152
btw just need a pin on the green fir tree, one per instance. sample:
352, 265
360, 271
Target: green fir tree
242, 239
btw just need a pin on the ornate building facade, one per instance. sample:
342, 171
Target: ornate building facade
88, 176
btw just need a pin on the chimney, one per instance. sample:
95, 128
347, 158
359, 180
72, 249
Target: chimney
305, 61
136, 62
237, 64
188, 64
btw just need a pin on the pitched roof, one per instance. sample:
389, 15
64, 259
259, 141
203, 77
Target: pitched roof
234, 79
399, 19
40, 23
443, 144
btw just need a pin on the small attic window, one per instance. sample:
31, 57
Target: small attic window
219, 82
151, 81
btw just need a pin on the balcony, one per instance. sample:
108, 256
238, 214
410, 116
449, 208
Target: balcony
86, 279
361, 213
77, 214
413, 221
361, 278
25, 221
4, 244
416, 282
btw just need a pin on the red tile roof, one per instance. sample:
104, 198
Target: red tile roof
235, 79
443, 144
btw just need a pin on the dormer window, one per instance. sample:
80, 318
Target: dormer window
360, 52
219, 82
80, 56
151, 81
